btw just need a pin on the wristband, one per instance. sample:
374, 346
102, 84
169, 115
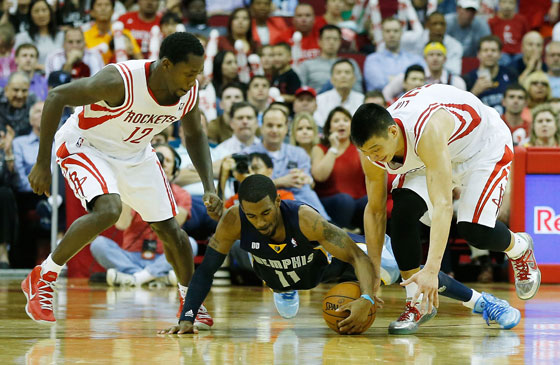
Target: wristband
367, 297
333, 150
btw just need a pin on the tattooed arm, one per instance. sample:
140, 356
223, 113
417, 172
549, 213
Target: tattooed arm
339, 244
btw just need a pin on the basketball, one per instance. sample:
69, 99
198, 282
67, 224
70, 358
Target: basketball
338, 296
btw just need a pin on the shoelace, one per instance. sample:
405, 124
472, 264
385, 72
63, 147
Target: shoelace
288, 295
46, 293
408, 310
493, 310
521, 267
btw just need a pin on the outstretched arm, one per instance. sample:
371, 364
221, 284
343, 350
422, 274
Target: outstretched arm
199, 151
341, 246
227, 232
433, 151
106, 85
375, 214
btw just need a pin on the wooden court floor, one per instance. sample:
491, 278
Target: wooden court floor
100, 325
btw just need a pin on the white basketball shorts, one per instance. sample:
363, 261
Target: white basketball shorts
482, 179
140, 182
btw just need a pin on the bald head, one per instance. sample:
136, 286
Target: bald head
552, 58
17, 89
532, 45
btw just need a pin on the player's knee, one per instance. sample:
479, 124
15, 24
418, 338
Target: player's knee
108, 208
407, 206
169, 231
474, 233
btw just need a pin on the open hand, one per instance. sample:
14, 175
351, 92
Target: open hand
182, 328
357, 320
427, 282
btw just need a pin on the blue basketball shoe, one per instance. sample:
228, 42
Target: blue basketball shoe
497, 310
287, 303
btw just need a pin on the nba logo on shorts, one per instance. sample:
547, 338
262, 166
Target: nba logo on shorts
79, 142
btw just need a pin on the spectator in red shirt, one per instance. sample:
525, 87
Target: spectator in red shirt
140, 258
305, 22
140, 23
510, 27
516, 114
266, 29
336, 168
239, 28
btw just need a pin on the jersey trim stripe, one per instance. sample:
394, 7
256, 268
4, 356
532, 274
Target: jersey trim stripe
420, 124
82, 155
90, 122
475, 122
168, 189
403, 131
192, 99
73, 161
147, 73
128, 92
487, 191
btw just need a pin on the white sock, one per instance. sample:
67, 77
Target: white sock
50, 265
411, 289
142, 277
519, 246
183, 290
475, 295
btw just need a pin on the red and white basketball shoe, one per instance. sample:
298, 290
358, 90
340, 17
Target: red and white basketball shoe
203, 320
526, 271
39, 290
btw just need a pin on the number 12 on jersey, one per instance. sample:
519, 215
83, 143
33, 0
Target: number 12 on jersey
142, 134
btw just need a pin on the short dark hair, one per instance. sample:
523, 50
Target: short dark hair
235, 85
257, 77
242, 104
169, 17
414, 68
255, 188
516, 86
94, 1
178, 46
327, 127
490, 38
340, 61
434, 14
26, 46
374, 94
284, 45
329, 27
264, 157
272, 108
368, 121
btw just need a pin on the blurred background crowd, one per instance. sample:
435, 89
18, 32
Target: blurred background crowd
281, 81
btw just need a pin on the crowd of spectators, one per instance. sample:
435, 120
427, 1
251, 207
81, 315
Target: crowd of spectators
318, 62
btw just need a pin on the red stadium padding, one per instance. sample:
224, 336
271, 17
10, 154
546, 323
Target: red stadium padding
532, 161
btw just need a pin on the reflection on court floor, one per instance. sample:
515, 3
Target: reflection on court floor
103, 325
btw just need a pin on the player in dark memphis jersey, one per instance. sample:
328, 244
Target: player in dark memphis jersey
291, 246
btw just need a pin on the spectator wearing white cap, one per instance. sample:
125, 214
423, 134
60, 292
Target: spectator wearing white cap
466, 27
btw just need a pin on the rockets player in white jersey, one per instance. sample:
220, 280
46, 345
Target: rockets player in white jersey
435, 138
105, 155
